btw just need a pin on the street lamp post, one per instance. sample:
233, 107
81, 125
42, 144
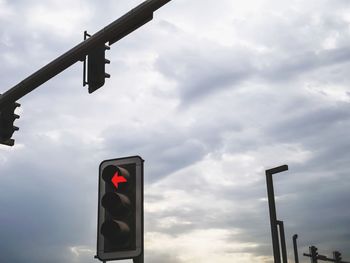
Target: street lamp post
272, 210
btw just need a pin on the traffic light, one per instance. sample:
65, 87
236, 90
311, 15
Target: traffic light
96, 67
7, 118
337, 256
313, 253
120, 209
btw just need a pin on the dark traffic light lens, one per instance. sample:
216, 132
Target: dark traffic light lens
117, 205
109, 172
116, 232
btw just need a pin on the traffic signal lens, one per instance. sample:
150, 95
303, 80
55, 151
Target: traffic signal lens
116, 232
117, 205
109, 172
116, 176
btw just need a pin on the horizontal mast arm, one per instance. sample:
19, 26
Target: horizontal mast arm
111, 33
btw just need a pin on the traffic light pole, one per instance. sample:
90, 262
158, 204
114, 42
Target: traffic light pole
295, 246
111, 34
283, 241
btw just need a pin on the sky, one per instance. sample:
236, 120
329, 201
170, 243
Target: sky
210, 94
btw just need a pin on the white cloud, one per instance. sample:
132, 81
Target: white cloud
59, 18
190, 247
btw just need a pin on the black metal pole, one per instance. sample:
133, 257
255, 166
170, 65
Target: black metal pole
272, 210
295, 246
118, 29
283, 241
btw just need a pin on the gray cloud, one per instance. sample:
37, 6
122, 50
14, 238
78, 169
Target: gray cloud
208, 103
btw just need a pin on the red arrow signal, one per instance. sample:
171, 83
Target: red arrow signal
116, 179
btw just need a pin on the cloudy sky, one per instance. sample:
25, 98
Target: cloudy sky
210, 94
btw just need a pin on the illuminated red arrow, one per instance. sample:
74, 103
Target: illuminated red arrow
116, 179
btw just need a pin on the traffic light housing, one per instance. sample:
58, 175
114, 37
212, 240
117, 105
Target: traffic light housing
7, 118
120, 209
313, 253
337, 256
96, 69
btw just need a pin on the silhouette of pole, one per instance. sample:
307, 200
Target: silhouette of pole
283, 241
272, 210
115, 31
315, 257
337, 256
313, 254
295, 246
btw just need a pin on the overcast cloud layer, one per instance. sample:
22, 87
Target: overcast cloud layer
210, 94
